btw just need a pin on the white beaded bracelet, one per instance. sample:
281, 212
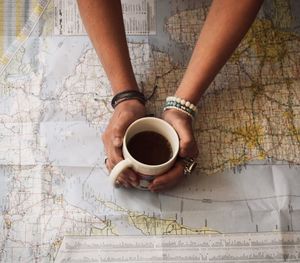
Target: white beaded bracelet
181, 105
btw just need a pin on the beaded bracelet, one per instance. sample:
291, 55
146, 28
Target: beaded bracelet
181, 105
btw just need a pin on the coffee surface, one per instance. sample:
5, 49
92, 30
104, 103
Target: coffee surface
150, 148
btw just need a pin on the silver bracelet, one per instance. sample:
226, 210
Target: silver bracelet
189, 165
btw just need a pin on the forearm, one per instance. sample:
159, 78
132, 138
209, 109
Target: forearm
103, 21
226, 24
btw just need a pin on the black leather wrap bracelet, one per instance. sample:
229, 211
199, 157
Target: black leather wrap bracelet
128, 95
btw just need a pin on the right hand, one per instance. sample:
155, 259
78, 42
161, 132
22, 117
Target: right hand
182, 123
124, 114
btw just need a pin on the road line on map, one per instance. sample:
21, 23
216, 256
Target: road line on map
1, 27
40, 9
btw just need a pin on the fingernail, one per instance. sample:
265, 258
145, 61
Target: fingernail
132, 179
134, 183
117, 142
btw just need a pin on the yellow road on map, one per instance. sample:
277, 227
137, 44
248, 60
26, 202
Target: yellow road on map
17, 20
1, 27
13, 16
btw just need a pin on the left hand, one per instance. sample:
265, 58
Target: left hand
124, 114
182, 123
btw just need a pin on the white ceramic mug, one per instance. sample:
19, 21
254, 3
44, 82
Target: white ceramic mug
147, 172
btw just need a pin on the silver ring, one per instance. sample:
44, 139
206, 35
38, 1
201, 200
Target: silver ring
189, 166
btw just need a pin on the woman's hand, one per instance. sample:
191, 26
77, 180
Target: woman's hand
125, 113
182, 123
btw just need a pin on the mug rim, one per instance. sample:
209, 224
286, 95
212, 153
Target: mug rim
164, 123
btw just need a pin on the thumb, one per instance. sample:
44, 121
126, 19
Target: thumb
120, 126
187, 142
118, 134
117, 142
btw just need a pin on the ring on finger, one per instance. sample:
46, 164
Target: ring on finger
105, 160
189, 166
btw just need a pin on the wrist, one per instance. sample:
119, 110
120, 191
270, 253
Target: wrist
124, 88
190, 92
128, 95
178, 115
130, 104
182, 105
193, 98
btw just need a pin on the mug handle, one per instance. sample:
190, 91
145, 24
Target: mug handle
119, 168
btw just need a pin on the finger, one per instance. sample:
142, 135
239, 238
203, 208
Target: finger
169, 179
187, 142
183, 125
122, 181
113, 136
114, 155
118, 132
109, 165
130, 177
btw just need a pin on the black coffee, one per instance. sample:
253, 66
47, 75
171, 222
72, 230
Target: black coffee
150, 148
